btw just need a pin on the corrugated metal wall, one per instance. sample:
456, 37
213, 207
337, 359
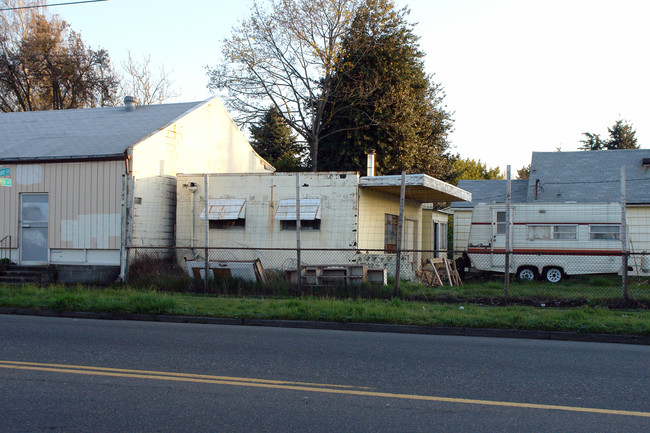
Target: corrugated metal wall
84, 202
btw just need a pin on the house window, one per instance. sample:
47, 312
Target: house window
390, 233
568, 232
501, 222
608, 233
309, 214
443, 236
226, 214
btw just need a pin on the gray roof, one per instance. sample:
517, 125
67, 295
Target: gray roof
83, 133
589, 176
492, 191
582, 176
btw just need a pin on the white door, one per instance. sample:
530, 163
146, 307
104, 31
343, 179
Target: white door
498, 239
33, 229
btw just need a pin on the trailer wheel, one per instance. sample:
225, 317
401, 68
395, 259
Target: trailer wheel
527, 273
553, 275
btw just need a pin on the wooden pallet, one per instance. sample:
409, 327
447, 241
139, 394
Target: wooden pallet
439, 272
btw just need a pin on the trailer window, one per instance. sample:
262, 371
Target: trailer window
501, 222
612, 232
569, 232
565, 232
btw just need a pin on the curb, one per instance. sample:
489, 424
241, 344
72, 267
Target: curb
344, 326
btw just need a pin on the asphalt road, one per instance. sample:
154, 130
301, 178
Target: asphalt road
76, 375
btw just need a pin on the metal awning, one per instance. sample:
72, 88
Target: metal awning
419, 187
309, 209
225, 209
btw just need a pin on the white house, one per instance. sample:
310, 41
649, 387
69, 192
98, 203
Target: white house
87, 184
348, 218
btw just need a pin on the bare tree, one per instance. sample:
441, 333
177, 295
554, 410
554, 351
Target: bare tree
147, 87
285, 57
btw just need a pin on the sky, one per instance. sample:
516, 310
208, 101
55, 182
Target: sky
519, 75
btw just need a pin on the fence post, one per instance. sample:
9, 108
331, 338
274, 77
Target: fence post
506, 266
298, 227
398, 255
623, 235
206, 237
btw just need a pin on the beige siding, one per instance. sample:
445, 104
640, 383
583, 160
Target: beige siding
373, 207
84, 202
638, 220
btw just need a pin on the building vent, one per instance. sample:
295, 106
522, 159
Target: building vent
130, 102
646, 161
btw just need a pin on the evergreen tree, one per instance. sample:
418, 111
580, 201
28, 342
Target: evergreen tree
274, 141
621, 136
385, 101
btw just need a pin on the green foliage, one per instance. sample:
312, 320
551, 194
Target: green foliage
274, 141
621, 136
383, 100
474, 170
524, 172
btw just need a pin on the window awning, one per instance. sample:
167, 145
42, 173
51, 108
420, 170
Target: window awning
225, 209
309, 209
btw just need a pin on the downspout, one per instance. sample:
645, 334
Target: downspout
192, 189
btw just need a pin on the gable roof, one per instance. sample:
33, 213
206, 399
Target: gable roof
581, 176
83, 133
492, 191
589, 176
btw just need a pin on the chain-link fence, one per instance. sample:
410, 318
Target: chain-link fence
542, 279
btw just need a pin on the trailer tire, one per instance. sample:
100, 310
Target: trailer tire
527, 273
553, 274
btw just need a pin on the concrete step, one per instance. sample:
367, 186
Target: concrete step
15, 274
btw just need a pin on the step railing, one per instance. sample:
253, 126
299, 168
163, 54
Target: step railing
5, 249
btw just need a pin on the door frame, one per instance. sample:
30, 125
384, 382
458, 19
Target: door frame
22, 226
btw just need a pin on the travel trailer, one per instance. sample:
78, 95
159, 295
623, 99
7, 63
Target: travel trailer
548, 240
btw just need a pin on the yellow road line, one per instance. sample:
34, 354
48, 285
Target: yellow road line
162, 373
295, 386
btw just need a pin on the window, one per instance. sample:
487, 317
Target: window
501, 222
309, 214
565, 232
226, 213
390, 233
443, 236
227, 224
568, 232
609, 232
304, 224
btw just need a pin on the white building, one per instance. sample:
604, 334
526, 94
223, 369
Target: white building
355, 218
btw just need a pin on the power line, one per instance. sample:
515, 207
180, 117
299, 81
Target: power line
57, 4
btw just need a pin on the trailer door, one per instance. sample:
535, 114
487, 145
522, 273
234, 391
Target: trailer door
498, 243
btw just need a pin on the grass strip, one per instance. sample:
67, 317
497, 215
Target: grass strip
115, 300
